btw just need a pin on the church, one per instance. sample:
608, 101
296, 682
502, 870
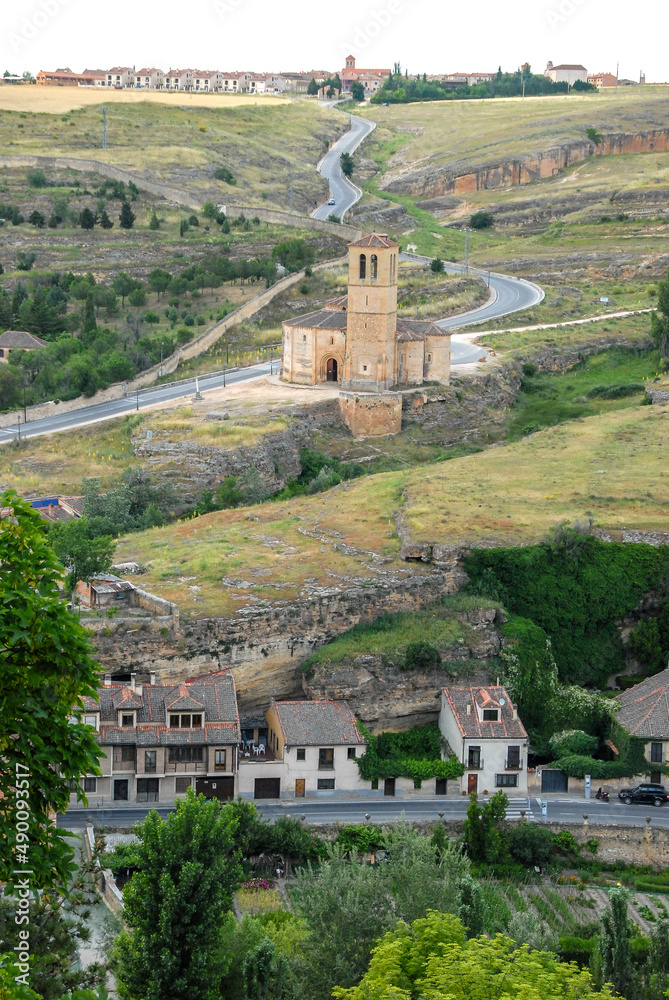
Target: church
357, 340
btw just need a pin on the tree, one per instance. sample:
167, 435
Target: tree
105, 221
175, 903
422, 656
357, 91
10, 388
87, 219
659, 321
154, 221
159, 279
431, 958
127, 216
25, 261
615, 942
289, 838
481, 220
83, 555
123, 285
470, 906
37, 219
437, 266
312, 89
485, 840
47, 668
658, 959
347, 164
89, 324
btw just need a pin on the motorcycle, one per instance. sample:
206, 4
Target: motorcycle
602, 796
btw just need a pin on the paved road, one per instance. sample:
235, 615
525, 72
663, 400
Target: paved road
139, 401
344, 192
385, 810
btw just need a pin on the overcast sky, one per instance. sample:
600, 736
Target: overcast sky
423, 35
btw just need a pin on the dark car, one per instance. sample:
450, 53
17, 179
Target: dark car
654, 795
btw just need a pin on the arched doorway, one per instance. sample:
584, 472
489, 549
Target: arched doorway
331, 370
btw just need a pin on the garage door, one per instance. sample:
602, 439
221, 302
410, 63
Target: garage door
267, 788
553, 781
216, 788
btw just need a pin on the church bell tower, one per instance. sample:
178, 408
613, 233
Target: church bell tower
371, 324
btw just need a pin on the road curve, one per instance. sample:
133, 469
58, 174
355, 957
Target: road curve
342, 190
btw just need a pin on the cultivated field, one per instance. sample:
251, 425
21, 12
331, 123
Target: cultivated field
59, 100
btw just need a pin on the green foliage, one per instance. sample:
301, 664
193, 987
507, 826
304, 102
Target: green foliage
87, 219
470, 906
357, 91
359, 839
319, 472
484, 838
83, 553
659, 320
25, 261
175, 903
422, 656
433, 959
648, 642
225, 174
593, 135
482, 220
437, 265
347, 164
616, 391
530, 670
47, 669
575, 588
530, 844
127, 216
414, 754
135, 504
294, 254
572, 741
614, 942
37, 178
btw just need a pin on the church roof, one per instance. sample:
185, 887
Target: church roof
419, 329
334, 317
375, 240
340, 302
328, 319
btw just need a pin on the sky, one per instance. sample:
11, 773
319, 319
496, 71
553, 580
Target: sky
432, 36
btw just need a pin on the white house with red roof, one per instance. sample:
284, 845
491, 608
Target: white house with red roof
566, 73
482, 728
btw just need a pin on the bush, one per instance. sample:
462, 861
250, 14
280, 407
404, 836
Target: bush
573, 741
530, 845
422, 656
225, 174
304, 288
37, 179
618, 391
481, 220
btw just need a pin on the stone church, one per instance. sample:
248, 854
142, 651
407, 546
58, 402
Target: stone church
357, 341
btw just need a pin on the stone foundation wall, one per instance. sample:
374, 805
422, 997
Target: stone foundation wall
371, 414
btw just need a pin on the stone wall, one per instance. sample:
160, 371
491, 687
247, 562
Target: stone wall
434, 182
371, 414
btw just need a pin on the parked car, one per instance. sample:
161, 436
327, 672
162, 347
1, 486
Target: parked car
331, 201
644, 795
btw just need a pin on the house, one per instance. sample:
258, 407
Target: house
179, 79
357, 339
310, 749
471, 79
483, 730
566, 73
66, 78
644, 712
371, 79
120, 76
13, 340
57, 508
149, 79
210, 81
159, 740
603, 80
258, 83
106, 591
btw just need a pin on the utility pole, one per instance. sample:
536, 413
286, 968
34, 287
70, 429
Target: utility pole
617, 75
161, 358
523, 88
18, 423
291, 192
467, 232
137, 398
104, 128
25, 415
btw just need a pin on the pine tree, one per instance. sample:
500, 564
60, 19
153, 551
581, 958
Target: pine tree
614, 942
154, 221
87, 219
105, 221
127, 216
659, 321
89, 324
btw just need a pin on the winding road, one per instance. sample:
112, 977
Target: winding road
507, 295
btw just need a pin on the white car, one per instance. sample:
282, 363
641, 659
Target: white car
331, 201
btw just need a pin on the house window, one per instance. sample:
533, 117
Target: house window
91, 720
127, 753
375, 266
127, 720
219, 760
90, 784
351, 753
326, 759
196, 722
326, 784
490, 714
474, 759
187, 755
656, 752
174, 721
150, 761
506, 780
182, 786
513, 757
301, 753
363, 266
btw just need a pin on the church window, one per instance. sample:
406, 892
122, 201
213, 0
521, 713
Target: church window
332, 340
304, 337
363, 266
366, 300
374, 266
364, 368
429, 357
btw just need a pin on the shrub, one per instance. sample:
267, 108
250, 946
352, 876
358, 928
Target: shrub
225, 174
421, 656
617, 391
151, 317
304, 288
530, 845
482, 220
572, 741
37, 179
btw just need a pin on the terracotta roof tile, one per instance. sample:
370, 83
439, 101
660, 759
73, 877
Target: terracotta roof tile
318, 723
644, 708
506, 726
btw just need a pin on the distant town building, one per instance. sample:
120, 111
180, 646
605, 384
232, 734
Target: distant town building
371, 79
18, 340
149, 79
179, 79
644, 713
603, 80
57, 508
471, 79
566, 73
66, 78
120, 77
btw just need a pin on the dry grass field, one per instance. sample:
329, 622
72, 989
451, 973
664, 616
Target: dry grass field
60, 100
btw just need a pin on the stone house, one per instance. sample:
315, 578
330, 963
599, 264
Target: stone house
106, 591
483, 730
13, 340
644, 712
159, 740
311, 750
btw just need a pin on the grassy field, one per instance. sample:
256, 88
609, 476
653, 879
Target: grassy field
520, 342
611, 467
182, 142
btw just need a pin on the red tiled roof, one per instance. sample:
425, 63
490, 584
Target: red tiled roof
375, 240
508, 725
317, 723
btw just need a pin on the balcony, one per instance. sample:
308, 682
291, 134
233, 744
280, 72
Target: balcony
515, 764
475, 764
124, 765
185, 767
147, 797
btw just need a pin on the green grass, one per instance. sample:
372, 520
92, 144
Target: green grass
521, 343
549, 399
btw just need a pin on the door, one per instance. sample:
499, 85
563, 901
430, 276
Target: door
553, 781
222, 788
121, 790
441, 786
389, 786
147, 789
299, 788
472, 783
267, 788
332, 370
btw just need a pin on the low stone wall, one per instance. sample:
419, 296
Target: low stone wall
164, 609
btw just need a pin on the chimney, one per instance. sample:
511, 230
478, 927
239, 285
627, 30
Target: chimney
469, 708
107, 681
497, 682
515, 712
152, 676
133, 685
